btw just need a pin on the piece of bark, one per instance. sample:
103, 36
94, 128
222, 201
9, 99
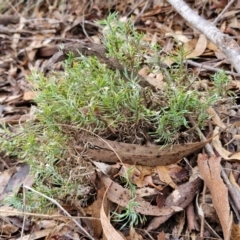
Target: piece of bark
224, 42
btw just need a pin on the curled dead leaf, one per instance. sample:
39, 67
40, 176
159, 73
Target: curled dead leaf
200, 47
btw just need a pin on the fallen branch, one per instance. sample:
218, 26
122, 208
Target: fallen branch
225, 43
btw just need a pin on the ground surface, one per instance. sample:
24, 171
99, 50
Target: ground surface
30, 34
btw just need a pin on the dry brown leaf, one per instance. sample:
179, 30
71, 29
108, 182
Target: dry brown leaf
213, 47
190, 45
109, 231
5, 176
11, 98
161, 236
144, 71
156, 80
60, 231
163, 173
231, 14
163, 27
177, 35
233, 181
222, 151
36, 235
8, 228
223, 26
210, 170
154, 39
235, 84
46, 224
152, 12
235, 235
15, 119
181, 197
234, 23
138, 174
93, 210
16, 36
133, 154
146, 191
134, 235
18, 178
6, 211
28, 95
215, 118
199, 48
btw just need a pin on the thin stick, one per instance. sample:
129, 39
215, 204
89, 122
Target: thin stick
213, 69
5, 212
203, 217
142, 11
56, 203
146, 232
24, 216
223, 11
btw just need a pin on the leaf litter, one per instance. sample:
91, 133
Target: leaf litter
31, 38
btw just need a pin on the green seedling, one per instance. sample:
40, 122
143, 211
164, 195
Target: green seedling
129, 215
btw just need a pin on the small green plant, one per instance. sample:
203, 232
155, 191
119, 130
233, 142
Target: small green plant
129, 215
221, 82
15, 201
91, 96
126, 179
3, 5
123, 41
182, 102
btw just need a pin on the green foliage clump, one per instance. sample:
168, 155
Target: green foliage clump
129, 216
91, 96
221, 82
181, 104
88, 95
123, 41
